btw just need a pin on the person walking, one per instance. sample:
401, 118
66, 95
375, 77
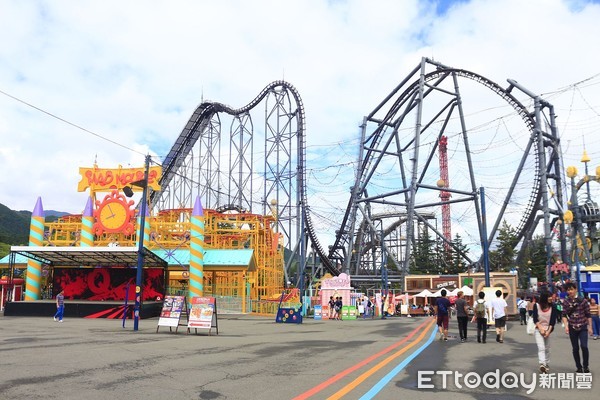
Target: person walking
499, 312
338, 308
480, 316
558, 303
594, 311
367, 302
442, 307
530, 304
578, 324
522, 306
60, 306
545, 314
331, 307
462, 316
360, 307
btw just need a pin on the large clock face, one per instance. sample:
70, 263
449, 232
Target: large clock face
113, 215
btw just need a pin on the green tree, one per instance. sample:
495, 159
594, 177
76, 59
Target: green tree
535, 260
424, 255
503, 257
457, 261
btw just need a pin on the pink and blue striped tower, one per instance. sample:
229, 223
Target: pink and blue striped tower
196, 286
86, 238
36, 238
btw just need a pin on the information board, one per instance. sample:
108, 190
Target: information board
318, 311
173, 307
203, 313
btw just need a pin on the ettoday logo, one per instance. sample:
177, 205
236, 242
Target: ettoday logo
506, 380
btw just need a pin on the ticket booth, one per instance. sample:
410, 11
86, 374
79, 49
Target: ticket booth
10, 291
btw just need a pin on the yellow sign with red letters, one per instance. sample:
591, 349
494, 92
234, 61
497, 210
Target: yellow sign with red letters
106, 179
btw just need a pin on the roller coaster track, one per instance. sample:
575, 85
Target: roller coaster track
403, 99
200, 121
409, 99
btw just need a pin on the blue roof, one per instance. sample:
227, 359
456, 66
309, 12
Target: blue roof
19, 259
230, 257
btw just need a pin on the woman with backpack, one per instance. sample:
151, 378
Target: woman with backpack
545, 314
480, 316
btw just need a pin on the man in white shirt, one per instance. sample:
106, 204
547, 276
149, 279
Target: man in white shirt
499, 307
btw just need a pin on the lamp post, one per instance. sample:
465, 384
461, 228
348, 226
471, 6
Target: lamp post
528, 274
485, 244
572, 216
140, 253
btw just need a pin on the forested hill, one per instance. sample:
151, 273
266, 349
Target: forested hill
14, 226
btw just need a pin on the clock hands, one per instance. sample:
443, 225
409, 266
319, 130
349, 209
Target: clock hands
112, 213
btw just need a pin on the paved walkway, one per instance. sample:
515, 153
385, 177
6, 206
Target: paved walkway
255, 358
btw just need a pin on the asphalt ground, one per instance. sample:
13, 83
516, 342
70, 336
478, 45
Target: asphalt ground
255, 358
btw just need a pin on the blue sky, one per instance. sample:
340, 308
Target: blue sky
133, 72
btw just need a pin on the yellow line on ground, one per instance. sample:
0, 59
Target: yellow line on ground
352, 385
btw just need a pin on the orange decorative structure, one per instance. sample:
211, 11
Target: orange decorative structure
171, 232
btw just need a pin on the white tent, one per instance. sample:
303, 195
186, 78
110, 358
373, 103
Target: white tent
466, 290
424, 293
449, 293
404, 297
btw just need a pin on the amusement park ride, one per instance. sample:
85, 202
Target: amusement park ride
511, 149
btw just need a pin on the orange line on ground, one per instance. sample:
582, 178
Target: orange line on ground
342, 374
381, 364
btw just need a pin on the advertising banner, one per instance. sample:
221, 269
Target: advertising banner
171, 311
202, 313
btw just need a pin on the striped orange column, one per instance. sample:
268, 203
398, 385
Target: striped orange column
196, 286
86, 238
36, 238
146, 236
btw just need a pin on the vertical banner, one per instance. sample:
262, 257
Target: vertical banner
324, 311
318, 312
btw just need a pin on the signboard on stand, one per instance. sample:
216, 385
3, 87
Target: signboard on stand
318, 312
173, 307
203, 314
289, 315
348, 312
325, 311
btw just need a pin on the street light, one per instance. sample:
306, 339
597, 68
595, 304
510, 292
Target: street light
140, 254
528, 274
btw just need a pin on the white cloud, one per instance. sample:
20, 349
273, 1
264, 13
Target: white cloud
133, 72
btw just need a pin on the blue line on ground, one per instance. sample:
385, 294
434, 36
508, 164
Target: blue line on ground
386, 379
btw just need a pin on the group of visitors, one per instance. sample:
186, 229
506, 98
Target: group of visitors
335, 308
366, 307
579, 317
498, 306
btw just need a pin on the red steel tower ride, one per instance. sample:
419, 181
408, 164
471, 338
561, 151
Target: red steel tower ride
444, 194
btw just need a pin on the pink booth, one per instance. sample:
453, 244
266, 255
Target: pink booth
335, 286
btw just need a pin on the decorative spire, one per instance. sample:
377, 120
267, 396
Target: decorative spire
38, 210
198, 211
89, 209
585, 158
